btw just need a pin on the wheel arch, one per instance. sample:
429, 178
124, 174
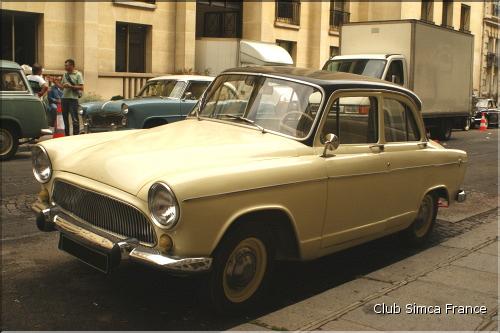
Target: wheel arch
279, 221
8, 121
158, 121
440, 190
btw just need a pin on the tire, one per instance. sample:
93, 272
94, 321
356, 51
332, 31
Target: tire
467, 124
9, 142
418, 233
248, 250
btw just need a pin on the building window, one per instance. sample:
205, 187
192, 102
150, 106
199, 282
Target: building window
334, 51
221, 19
288, 12
447, 20
131, 47
495, 8
339, 14
465, 18
19, 36
290, 47
427, 11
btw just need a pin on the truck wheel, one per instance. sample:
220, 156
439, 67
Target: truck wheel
241, 269
421, 228
467, 124
9, 142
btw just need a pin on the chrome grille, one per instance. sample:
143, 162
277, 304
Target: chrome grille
106, 121
103, 212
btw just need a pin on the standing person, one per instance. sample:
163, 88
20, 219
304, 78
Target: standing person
54, 97
36, 81
72, 86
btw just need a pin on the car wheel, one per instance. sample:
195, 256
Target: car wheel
241, 269
421, 228
9, 142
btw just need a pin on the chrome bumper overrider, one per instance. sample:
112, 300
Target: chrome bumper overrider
52, 218
461, 196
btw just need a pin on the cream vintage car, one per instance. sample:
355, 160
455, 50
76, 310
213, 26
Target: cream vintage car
274, 164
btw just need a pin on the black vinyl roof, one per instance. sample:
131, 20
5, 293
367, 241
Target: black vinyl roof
327, 80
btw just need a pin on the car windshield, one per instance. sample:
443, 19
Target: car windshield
482, 103
163, 88
269, 104
367, 67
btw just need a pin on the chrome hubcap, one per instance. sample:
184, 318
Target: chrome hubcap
6, 141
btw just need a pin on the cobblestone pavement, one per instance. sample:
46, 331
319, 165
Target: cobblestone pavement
45, 289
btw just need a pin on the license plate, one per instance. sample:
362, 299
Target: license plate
92, 257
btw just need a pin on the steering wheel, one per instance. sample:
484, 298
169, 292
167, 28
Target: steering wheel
300, 117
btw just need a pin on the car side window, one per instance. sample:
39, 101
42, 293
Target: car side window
353, 119
12, 81
396, 69
196, 88
399, 123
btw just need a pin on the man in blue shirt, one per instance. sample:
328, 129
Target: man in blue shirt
54, 97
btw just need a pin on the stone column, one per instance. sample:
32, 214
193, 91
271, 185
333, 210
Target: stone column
318, 39
86, 42
185, 35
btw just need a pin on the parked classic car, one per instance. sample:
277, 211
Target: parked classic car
290, 168
162, 100
22, 114
491, 112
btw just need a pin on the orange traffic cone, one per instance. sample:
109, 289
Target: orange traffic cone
59, 125
483, 126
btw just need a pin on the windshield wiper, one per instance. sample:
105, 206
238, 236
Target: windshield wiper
249, 121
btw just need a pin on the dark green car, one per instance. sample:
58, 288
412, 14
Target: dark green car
162, 100
22, 114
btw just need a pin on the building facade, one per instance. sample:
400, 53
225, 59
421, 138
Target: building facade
120, 44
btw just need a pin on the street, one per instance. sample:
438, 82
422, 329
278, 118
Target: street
46, 289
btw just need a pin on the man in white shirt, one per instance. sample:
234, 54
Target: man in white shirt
36, 81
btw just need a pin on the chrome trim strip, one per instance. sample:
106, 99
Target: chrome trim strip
320, 108
254, 189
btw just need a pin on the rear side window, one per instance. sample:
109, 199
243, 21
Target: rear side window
12, 81
196, 88
353, 120
399, 122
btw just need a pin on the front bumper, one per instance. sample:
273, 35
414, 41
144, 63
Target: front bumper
118, 249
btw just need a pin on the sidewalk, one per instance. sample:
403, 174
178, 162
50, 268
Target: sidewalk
461, 271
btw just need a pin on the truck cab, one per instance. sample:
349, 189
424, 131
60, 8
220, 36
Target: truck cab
389, 67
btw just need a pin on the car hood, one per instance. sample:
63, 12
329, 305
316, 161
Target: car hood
116, 106
173, 152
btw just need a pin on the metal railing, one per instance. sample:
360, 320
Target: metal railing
338, 18
288, 12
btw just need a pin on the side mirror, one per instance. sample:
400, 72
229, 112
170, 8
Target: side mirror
331, 143
187, 95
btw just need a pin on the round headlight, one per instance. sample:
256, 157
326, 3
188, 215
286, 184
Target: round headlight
42, 168
80, 111
163, 205
124, 108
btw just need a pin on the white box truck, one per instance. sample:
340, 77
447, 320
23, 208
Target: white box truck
213, 55
435, 62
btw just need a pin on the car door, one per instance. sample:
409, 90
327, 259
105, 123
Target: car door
356, 170
407, 156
